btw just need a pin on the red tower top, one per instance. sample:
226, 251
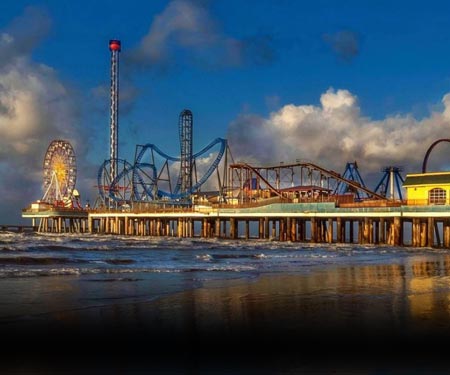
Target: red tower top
114, 45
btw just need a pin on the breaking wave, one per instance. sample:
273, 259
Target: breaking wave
34, 255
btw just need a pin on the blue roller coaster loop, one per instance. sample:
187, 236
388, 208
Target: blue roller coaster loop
153, 147
196, 186
111, 189
211, 168
150, 189
143, 190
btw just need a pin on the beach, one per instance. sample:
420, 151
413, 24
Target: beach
360, 318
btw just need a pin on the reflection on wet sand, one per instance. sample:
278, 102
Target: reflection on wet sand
400, 296
362, 315
393, 314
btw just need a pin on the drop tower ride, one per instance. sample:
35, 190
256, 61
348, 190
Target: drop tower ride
114, 47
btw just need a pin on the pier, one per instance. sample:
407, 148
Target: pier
395, 225
57, 220
17, 228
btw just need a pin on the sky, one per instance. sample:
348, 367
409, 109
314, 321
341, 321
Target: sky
329, 82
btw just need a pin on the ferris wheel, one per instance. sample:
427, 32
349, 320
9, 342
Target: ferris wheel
60, 173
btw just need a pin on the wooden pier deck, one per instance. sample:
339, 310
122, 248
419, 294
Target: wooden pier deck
395, 225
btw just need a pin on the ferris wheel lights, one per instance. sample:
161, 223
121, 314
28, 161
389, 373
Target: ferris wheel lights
59, 171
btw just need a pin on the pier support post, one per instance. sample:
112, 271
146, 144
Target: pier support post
339, 230
293, 229
360, 231
423, 234
366, 231
301, 230
446, 233
376, 232
397, 231
382, 231
351, 234
233, 228
266, 228
430, 234
436, 233
288, 228
224, 229
313, 230
281, 230
180, 227
330, 231
217, 228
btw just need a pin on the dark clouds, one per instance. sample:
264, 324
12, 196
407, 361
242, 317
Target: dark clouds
345, 44
186, 32
23, 34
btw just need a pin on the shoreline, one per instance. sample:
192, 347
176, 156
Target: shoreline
339, 318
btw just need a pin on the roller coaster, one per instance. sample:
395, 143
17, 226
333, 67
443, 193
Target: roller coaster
295, 182
155, 175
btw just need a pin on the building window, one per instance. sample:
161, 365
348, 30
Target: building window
437, 196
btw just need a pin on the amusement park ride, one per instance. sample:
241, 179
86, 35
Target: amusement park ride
60, 175
155, 177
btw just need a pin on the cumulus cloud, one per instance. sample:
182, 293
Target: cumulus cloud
186, 31
344, 43
35, 108
335, 132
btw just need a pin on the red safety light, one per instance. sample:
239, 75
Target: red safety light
114, 45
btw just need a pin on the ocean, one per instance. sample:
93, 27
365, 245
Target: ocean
105, 304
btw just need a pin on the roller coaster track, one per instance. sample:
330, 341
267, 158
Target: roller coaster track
427, 155
256, 171
151, 146
196, 186
324, 171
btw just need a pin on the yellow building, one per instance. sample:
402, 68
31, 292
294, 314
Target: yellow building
428, 188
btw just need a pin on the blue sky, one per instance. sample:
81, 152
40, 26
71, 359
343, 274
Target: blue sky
327, 81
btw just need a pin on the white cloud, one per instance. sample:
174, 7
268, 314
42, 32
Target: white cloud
36, 106
335, 132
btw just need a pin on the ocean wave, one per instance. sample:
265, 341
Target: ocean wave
18, 273
259, 256
113, 279
25, 260
232, 256
50, 247
76, 271
119, 261
209, 257
206, 257
8, 249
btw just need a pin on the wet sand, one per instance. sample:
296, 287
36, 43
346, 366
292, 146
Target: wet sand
383, 319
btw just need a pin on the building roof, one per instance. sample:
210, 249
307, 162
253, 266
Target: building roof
435, 178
